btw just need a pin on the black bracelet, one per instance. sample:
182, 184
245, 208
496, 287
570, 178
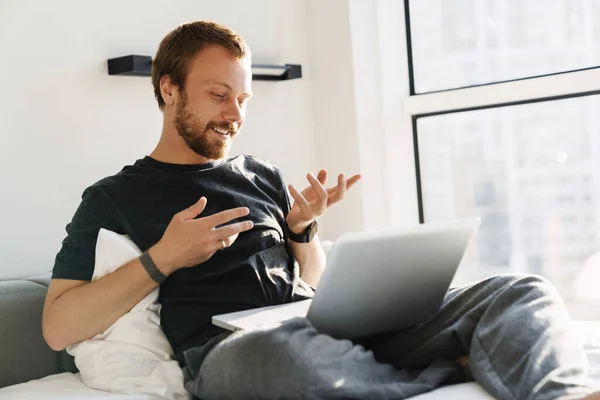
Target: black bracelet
306, 237
151, 268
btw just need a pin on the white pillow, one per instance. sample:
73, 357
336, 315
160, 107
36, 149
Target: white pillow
133, 356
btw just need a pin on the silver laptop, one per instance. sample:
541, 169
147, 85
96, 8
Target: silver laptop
375, 282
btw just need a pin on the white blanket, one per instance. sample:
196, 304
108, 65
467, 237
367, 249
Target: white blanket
69, 387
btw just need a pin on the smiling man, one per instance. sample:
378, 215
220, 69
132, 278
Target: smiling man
220, 234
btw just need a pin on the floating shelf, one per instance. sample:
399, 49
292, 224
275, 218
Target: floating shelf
130, 65
135, 65
263, 72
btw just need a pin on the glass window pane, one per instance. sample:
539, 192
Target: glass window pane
483, 41
532, 173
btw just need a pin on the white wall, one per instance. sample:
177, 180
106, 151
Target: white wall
385, 131
333, 106
359, 78
64, 123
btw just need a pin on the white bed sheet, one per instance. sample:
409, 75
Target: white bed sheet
65, 386
69, 386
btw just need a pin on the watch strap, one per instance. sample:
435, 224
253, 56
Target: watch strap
151, 268
306, 237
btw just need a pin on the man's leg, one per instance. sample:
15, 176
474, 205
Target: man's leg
515, 330
293, 361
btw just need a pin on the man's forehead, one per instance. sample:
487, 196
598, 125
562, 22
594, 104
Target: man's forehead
216, 68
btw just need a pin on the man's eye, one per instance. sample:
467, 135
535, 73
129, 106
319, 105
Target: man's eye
243, 103
219, 96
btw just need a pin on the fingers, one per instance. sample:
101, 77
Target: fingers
222, 244
350, 182
322, 176
300, 200
324, 197
229, 233
228, 241
340, 190
192, 211
223, 217
320, 191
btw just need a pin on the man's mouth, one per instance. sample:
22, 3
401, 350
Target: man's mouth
221, 131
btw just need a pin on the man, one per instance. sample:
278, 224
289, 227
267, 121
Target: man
219, 236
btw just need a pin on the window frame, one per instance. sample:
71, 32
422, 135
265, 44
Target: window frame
526, 90
411, 78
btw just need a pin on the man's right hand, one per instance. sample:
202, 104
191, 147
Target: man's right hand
188, 241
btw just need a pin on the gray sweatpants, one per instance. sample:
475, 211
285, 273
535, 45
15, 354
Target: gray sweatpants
515, 330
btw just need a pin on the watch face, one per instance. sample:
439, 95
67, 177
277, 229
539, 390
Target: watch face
312, 231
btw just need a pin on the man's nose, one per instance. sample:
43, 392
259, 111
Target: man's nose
234, 113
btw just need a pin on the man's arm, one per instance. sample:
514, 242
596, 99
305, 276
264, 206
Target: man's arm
308, 205
78, 310
311, 258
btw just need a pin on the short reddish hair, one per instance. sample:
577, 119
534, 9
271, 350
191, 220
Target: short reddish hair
181, 45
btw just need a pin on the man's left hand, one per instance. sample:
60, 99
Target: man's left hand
313, 201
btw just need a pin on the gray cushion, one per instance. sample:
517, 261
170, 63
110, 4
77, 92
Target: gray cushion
43, 279
24, 355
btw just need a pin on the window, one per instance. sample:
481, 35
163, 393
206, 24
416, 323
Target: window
521, 149
484, 41
532, 173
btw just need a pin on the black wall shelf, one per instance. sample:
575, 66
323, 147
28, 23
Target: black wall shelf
263, 72
135, 65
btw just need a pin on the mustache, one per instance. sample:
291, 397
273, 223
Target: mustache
232, 128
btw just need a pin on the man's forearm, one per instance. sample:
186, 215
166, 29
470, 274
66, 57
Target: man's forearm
88, 309
311, 258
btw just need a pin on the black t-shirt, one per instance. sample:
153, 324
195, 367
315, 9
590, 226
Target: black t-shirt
256, 271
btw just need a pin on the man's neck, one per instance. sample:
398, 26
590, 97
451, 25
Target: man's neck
174, 156
176, 153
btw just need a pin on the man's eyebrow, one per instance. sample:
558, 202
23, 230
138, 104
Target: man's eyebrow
221, 84
228, 87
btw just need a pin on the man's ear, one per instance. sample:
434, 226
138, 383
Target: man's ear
168, 90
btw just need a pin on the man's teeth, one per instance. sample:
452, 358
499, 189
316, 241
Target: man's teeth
221, 131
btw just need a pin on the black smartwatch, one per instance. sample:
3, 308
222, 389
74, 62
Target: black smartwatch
305, 237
